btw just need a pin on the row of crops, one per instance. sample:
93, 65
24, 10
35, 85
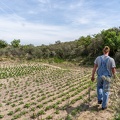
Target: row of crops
19, 70
38, 91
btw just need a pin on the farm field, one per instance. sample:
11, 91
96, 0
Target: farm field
38, 91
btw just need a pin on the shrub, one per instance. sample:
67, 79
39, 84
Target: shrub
10, 113
1, 116
27, 105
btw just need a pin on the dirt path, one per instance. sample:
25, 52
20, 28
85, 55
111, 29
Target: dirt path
94, 112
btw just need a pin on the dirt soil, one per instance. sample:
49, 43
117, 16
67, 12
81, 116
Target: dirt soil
93, 111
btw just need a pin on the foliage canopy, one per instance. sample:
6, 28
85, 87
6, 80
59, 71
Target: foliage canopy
83, 50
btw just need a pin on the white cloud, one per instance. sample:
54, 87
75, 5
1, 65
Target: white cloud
37, 33
43, 1
62, 20
33, 33
76, 5
32, 12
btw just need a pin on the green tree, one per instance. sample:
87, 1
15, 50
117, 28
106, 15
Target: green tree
111, 38
15, 43
3, 44
57, 42
84, 42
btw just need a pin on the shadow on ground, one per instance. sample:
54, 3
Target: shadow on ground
74, 112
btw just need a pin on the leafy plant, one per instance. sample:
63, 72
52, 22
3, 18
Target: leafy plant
10, 113
27, 105
49, 117
1, 116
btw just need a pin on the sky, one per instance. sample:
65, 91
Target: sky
40, 22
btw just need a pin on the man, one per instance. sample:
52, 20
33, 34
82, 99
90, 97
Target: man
105, 66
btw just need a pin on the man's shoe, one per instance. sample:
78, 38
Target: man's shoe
100, 102
104, 108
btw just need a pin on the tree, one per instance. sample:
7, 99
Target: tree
15, 43
84, 42
3, 44
111, 38
57, 42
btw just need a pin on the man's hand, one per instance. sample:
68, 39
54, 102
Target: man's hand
92, 79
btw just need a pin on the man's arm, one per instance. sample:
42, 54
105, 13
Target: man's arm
113, 71
113, 68
93, 72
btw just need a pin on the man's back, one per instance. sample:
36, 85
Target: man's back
108, 61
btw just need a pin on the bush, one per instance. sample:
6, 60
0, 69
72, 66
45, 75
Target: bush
10, 113
1, 116
117, 58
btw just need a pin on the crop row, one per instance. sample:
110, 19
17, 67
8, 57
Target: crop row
43, 92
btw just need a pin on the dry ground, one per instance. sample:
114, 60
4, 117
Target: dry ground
93, 111
88, 111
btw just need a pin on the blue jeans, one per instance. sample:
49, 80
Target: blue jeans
103, 87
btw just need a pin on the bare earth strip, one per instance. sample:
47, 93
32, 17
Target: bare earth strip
94, 112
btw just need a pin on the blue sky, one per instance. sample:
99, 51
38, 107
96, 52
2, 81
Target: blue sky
40, 22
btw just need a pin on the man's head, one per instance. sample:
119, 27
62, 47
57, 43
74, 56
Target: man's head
106, 50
